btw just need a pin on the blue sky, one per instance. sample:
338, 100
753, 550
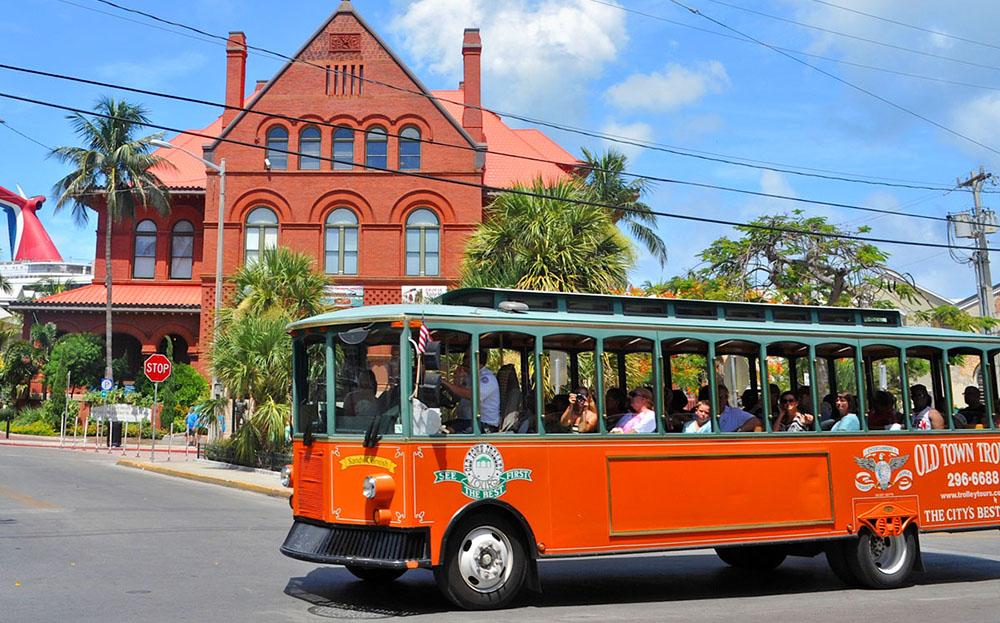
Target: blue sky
654, 77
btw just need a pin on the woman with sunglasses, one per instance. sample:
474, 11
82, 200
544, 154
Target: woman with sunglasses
580, 416
642, 419
789, 418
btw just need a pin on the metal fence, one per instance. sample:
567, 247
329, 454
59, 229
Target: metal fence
224, 453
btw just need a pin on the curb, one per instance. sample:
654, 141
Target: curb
271, 491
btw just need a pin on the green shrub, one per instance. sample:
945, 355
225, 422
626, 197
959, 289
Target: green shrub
30, 415
39, 427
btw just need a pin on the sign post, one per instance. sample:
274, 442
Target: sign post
157, 369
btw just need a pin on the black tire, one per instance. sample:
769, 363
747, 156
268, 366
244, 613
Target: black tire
878, 562
377, 575
836, 557
755, 557
485, 563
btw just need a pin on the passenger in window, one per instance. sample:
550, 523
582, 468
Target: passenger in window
846, 414
581, 415
789, 417
675, 420
702, 422
489, 397
749, 399
642, 418
615, 406
772, 397
361, 402
553, 413
828, 406
924, 416
975, 411
883, 415
679, 401
731, 419
804, 395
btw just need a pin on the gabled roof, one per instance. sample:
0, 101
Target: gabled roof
346, 8
503, 171
189, 173
124, 297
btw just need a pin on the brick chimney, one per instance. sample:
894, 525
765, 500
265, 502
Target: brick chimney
472, 115
236, 69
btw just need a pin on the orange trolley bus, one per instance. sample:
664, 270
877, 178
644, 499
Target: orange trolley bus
398, 465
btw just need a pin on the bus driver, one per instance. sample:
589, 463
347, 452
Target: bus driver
489, 397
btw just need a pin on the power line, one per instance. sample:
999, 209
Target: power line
16, 131
855, 37
790, 169
488, 188
904, 24
800, 52
841, 80
471, 148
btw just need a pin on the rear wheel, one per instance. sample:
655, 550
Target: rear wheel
881, 562
485, 564
836, 557
756, 557
369, 574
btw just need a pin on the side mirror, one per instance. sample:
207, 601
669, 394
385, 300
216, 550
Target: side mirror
429, 392
432, 356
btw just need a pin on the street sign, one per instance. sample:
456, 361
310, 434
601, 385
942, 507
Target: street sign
107, 384
157, 368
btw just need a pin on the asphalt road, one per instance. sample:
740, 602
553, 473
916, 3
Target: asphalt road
84, 540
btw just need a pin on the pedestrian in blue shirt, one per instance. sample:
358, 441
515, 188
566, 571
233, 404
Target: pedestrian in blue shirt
191, 421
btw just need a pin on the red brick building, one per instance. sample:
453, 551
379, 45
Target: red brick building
358, 123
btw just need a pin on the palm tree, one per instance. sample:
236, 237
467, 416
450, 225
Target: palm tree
280, 279
547, 243
5, 286
112, 172
606, 181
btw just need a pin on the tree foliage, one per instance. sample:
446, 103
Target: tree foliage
78, 354
606, 183
793, 259
282, 281
547, 243
112, 172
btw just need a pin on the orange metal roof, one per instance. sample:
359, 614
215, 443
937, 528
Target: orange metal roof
190, 172
132, 295
505, 171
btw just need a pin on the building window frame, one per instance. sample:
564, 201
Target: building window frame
310, 148
261, 232
376, 141
277, 139
182, 259
423, 243
145, 240
409, 148
343, 148
341, 242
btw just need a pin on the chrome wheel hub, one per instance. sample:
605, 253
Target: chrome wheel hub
484, 559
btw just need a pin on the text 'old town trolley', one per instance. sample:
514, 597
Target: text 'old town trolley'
542, 425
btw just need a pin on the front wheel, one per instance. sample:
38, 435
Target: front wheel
485, 564
754, 557
376, 575
881, 562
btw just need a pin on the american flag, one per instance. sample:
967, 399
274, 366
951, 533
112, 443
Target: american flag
425, 336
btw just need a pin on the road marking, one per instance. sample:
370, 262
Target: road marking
25, 499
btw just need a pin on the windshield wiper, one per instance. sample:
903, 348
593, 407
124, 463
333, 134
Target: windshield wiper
372, 436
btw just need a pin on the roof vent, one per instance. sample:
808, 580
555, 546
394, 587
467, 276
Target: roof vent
512, 307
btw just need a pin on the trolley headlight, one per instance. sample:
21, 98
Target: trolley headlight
368, 488
379, 488
286, 476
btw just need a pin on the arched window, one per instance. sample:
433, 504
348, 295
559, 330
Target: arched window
376, 145
144, 264
181, 250
409, 149
423, 243
342, 242
262, 232
343, 149
310, 149
277, 138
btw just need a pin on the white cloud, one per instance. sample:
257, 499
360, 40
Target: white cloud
154, 72
641, 132
674, 88
979, 119
535, 53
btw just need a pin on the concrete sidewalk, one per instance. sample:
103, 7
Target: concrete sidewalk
171, 460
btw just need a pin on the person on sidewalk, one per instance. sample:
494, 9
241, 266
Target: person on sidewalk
191, 422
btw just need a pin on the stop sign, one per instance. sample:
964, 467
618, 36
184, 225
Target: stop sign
157, 368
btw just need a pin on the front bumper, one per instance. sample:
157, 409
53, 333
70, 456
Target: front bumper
361, 546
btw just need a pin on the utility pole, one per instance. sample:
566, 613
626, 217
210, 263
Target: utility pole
981, 220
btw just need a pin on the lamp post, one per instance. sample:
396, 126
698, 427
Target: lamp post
221, 169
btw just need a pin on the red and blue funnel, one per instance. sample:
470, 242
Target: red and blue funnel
28, 239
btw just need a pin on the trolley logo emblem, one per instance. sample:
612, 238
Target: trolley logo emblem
482, 475
881, 462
